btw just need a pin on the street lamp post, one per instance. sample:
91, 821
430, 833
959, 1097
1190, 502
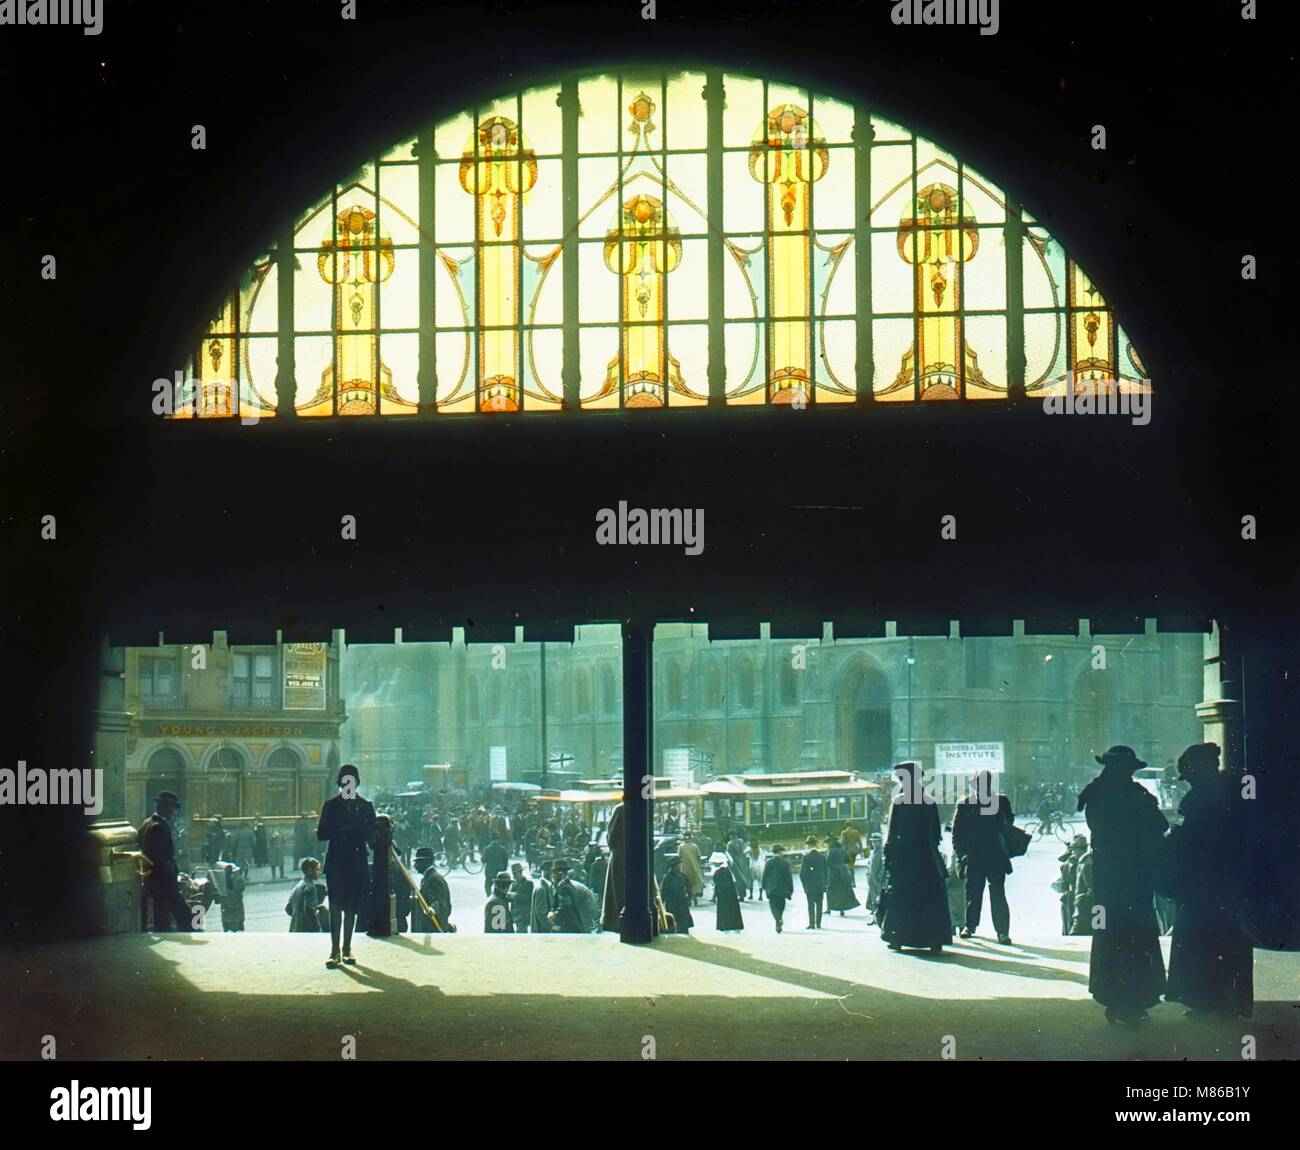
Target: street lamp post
911, 662
545, 752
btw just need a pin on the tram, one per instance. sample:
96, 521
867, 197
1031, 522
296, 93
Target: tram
786, 808
594, 800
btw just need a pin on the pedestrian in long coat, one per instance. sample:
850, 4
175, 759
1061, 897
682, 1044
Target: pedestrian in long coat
521, 899
261, 844
978, 829
739, 855
1084, 900
1127, 971
232, 898
306, 899
875, 875
496, 859
1065, 884
812, 877
839, 883
599, 873
615, 876
214, 841
347, 824
727, 898
851, 839
161, 886
756, 857
543, 904
496, 911
692, 867
778, 885
1211, 959
676, 893
914, 899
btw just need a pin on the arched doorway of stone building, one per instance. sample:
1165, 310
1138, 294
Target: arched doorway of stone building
864, 725
1092, 706
165, 771
280, 786
224, 776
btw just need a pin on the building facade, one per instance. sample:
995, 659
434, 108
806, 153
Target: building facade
233, 730
766, 704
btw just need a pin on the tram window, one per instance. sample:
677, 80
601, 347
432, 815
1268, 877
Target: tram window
815, 810
859, 806
738, 810
787, 810
755, 811
769, 811
801, 810
709, 812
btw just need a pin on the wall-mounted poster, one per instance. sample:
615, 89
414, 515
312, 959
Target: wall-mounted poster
305, 669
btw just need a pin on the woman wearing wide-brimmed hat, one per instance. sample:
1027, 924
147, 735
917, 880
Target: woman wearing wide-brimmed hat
914, 899
1127, 970
1211, 960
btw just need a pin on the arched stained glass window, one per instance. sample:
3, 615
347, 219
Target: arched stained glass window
650, 240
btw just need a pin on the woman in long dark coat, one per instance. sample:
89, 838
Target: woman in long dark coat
1211, 960
347, 823
615, 876
677, 897
727, 898
1127, 971
914, 899
839, 883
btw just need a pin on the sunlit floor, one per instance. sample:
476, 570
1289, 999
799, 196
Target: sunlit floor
832, 995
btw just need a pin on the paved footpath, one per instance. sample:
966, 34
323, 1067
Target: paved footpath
829, 995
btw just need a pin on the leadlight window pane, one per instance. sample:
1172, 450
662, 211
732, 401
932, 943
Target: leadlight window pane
479, 287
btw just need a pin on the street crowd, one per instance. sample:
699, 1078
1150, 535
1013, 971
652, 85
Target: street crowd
1135, 880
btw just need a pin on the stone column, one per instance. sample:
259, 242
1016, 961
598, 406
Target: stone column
113, 901
637, 924
379, 909
1220, 710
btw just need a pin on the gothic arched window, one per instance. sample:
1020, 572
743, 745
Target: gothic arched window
582, 692
655, 239
608, 691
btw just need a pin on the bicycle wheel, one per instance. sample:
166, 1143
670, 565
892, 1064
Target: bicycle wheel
1033, 830
1064, 831
472, 865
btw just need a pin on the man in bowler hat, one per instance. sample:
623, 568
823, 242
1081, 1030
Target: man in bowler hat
170, 911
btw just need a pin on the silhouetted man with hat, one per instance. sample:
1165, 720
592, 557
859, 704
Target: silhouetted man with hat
977, 840
170, 911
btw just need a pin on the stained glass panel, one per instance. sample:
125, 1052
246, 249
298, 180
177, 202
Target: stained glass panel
500, 259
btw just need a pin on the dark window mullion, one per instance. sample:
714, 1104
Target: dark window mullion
519, 250
571, 372
765, 188
334, 300
714, 97
959, 344
810, 285
916, 300
286, 387
662, 254
378, 365
622, 283
1014, 232
428, 270
863, 135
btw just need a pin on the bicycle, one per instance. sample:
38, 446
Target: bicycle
1054, 824
459, 857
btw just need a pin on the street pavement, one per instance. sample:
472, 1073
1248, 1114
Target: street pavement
1035, 907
